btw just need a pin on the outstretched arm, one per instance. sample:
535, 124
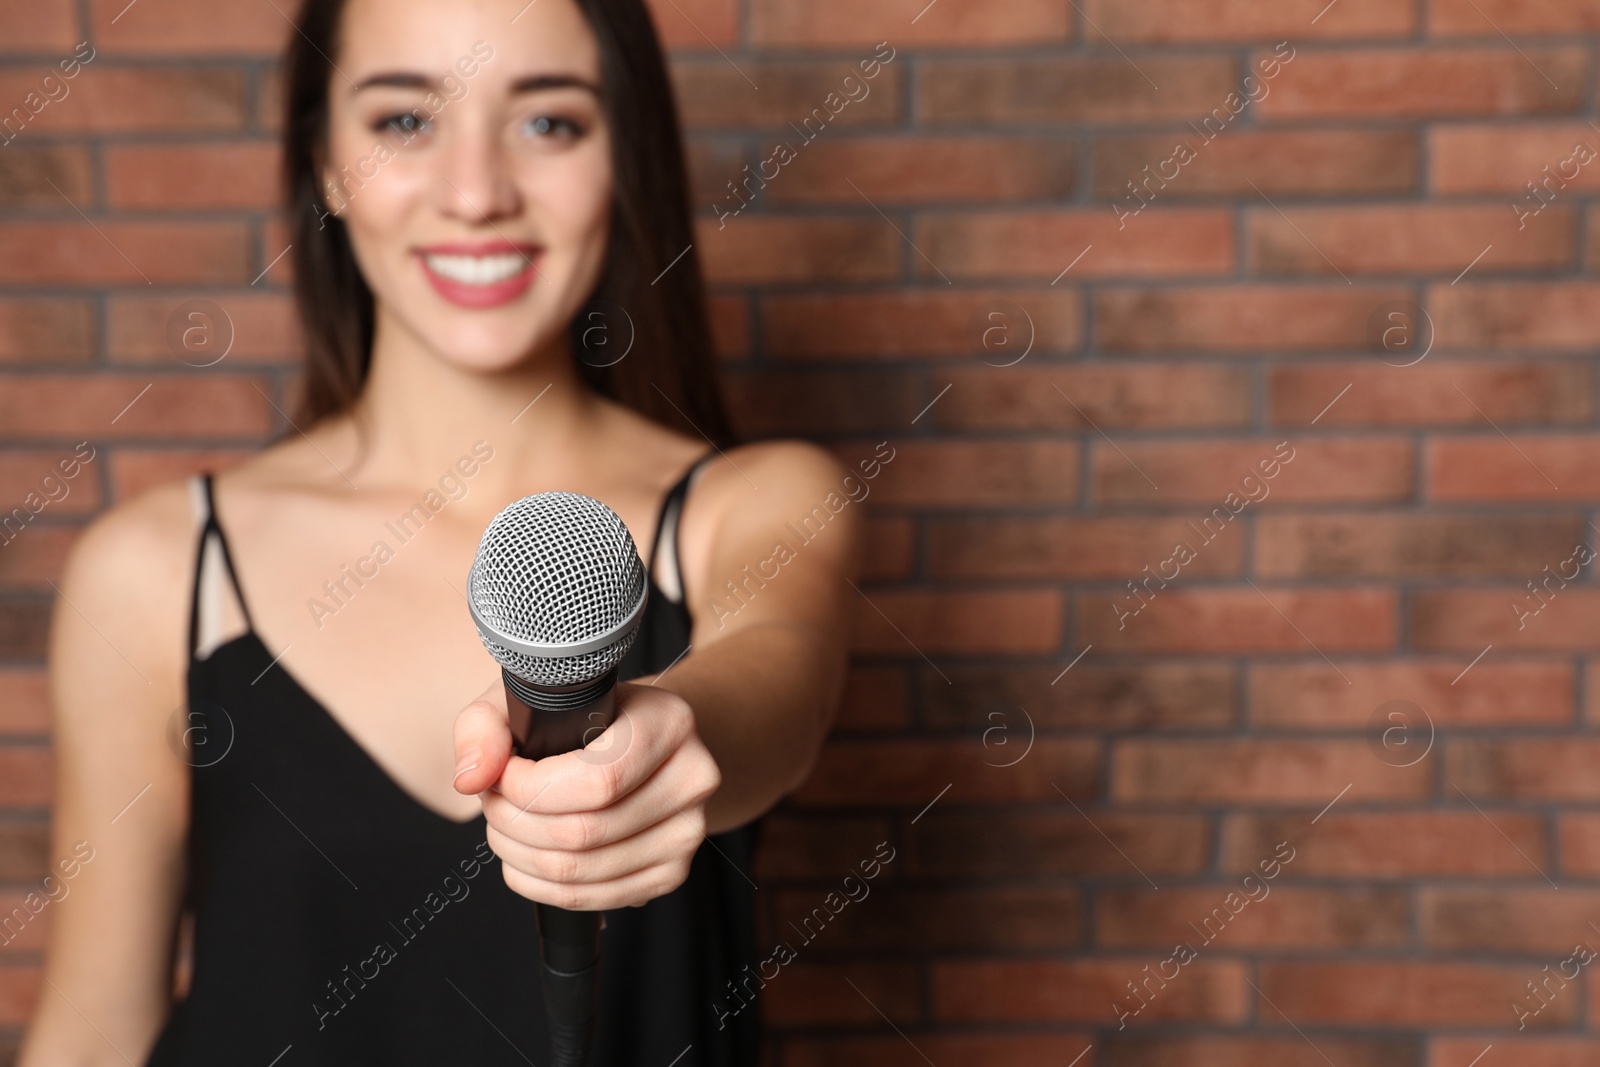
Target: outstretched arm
769, 590
715, 739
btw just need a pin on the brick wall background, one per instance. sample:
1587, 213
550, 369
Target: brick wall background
1378, 667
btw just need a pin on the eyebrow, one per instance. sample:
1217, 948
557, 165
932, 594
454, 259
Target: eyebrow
531, 83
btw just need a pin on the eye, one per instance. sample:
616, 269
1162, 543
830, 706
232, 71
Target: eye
554, 127
406, 124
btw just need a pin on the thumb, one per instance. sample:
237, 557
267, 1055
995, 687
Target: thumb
483, 741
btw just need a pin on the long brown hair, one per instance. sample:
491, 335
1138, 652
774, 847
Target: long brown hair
669, 374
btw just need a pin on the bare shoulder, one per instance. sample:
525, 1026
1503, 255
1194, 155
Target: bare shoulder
748, 494
786, 473
127, 577
786, 470
145, 527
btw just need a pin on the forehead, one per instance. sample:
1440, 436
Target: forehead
431, 36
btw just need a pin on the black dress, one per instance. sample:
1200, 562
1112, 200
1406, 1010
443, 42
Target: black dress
340, 921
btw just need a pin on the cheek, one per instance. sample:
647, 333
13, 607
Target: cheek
376, 193
574, 199
570, 202
379, 209
376, 180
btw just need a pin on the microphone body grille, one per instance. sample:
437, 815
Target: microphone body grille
557, 569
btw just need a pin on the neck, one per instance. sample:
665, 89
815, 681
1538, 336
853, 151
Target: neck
418, 414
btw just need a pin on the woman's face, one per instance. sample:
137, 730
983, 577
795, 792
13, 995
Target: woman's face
470, 162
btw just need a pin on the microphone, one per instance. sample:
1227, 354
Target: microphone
557, 591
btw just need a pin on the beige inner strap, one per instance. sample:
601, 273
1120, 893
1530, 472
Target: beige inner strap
212, 578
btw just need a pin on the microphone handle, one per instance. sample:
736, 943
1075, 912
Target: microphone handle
569, 940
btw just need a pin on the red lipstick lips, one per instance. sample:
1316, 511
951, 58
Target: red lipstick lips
480, 274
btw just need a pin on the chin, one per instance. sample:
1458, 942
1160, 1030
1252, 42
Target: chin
491, 351
487, 339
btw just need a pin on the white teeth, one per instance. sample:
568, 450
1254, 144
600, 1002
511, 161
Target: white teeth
477, 270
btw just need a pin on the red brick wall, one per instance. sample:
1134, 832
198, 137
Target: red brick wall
977, 196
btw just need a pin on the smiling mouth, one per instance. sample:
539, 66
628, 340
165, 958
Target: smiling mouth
480, 279
478, 270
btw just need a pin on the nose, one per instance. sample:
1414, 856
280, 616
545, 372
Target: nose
476, 182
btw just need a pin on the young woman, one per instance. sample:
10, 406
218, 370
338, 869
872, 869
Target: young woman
259, 677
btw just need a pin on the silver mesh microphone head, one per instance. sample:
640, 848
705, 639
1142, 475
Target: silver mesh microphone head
557, 589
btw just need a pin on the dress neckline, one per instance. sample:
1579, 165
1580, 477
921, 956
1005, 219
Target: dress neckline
250, 637
674, 496
363, 755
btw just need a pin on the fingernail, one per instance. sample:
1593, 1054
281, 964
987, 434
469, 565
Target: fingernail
469, 760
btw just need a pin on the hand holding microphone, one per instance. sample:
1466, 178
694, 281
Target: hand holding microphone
594, 791
610, 826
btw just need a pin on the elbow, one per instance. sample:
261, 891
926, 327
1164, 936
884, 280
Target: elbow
810, 746
800, 771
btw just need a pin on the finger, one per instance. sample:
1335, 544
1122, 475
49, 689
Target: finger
650, 725
679, 783
627, 892
483, 741
579, 830
669, 840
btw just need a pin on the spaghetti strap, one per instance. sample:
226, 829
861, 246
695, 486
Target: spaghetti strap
667, 522
208, 529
